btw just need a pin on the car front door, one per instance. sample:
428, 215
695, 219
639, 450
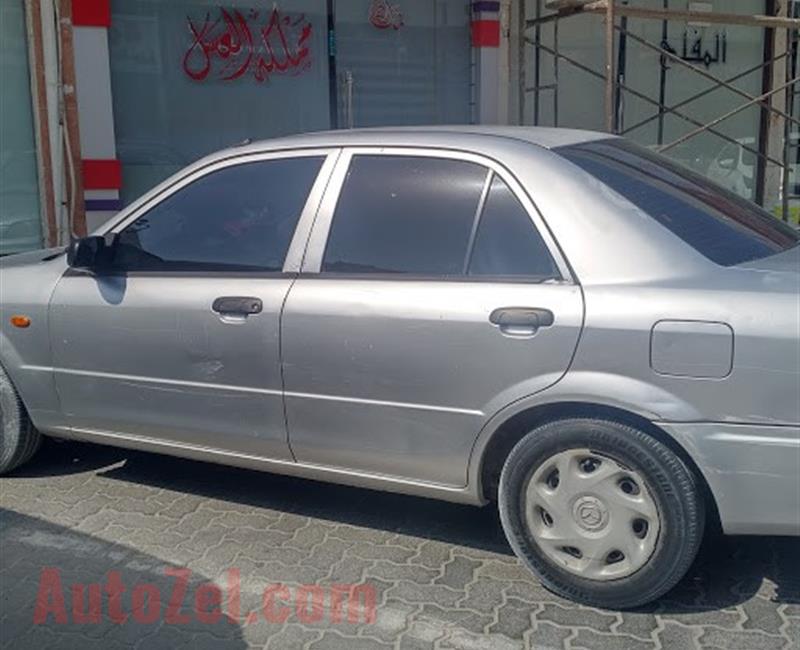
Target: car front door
178, 340
431, 297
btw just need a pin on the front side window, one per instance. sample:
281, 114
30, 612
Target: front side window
423, 216
238, 218
720, 225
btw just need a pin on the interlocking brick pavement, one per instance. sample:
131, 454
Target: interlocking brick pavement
443, 574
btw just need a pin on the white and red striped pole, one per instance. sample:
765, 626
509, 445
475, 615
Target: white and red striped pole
102, 172
486, 38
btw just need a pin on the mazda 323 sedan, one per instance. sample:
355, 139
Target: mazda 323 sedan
595, 338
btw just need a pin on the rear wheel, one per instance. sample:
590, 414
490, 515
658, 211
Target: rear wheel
19, 441
601, 512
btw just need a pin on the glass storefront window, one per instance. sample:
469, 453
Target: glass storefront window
190, 77
20, 224
408, 62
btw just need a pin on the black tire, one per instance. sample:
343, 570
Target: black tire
19, 440
670, 483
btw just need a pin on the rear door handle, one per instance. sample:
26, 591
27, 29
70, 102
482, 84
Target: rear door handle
237, 305
521, 320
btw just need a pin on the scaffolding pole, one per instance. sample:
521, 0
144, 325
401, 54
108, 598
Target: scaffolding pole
610, 118
565, 8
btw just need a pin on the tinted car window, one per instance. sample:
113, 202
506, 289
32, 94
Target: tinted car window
724, 227
507, 243
238, 218
404, 214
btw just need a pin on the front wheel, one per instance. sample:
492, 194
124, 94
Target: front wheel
19, 441
601, 512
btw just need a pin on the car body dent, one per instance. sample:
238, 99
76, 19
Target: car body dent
334, 339
752, 471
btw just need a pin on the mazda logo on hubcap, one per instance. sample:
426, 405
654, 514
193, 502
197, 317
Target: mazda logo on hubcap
590, 512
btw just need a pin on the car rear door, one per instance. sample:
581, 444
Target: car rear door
430, 297
179, 340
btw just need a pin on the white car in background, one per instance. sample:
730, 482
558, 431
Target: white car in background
735, 167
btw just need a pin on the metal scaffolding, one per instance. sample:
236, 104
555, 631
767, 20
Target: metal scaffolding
778, 144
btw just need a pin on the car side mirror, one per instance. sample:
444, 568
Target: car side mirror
90, 253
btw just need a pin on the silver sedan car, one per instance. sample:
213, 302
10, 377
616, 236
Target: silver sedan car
598, 340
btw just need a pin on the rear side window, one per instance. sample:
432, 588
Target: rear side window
238, 218
404, 214
425, 216
507, 244
722, 226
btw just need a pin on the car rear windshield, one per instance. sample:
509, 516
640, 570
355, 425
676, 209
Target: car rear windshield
724, 227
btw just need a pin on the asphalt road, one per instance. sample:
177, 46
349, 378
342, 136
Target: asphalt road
144, 528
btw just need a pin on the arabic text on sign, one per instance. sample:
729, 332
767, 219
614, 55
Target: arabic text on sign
234, 44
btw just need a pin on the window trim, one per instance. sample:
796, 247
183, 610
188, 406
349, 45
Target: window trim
297, 244
476, 221
318, 239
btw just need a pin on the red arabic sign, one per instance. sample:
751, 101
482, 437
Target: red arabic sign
383, 15
259, 44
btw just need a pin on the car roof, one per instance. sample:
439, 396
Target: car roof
447, 135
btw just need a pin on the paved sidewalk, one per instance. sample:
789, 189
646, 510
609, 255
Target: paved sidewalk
442, 574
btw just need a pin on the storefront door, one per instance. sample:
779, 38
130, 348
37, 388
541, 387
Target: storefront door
402, 62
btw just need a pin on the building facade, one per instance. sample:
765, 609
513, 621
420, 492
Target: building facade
130, 91
102, 99
20, 221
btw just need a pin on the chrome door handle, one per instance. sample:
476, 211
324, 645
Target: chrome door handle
521, 320
237, 305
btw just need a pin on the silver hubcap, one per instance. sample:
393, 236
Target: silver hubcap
591, 515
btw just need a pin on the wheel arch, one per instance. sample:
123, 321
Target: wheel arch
34, 384
516, 426
10, 360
